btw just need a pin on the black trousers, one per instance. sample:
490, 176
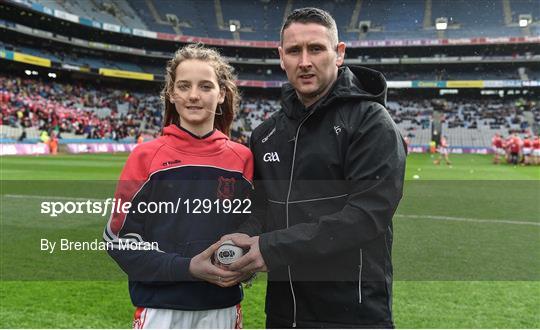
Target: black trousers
274, 324
514, 158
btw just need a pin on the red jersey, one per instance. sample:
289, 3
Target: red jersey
508, 142
515, 144
527, 143
497, 142
536, 143
180, 168
444, 143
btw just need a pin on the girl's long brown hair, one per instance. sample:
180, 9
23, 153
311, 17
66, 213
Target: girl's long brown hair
226, 80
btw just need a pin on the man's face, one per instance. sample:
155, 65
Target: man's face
309, 58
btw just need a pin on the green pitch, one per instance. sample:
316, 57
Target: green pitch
466, 247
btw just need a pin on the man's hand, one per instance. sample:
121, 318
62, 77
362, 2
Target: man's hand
252, 261
202, 268
237, 238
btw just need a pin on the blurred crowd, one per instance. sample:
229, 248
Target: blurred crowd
467, 113
89, 112
94, 112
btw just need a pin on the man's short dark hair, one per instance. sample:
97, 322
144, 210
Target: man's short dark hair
312, 15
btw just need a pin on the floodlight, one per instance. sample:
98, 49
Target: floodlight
524, 20
364, 26
234, 25
441, 23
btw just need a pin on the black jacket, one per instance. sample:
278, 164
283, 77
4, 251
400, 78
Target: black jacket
330, 178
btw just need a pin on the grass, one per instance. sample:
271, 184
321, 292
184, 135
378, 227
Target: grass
466, 247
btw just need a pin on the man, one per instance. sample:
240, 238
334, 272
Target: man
498, 148
515, 148
443, 151
527, 150
536, 150
331, 164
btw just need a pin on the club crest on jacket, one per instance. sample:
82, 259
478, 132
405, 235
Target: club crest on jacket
225, 189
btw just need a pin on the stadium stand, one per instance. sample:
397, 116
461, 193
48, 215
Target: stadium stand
152, 18
525, 7
77, 58
434, 71
386, 20
83, 111
261, 20
470, 123
92, 112
188, 17
117, 12
258, 20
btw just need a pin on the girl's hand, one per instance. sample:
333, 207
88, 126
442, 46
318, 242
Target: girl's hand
201, 267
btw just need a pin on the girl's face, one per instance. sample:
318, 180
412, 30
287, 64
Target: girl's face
196, 95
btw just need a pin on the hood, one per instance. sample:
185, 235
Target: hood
186, 142
352, 82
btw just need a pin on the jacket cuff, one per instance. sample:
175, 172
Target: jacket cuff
246, 231
249, 228
180, 269
270, 256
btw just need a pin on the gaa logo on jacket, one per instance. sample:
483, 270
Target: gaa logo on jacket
271, 157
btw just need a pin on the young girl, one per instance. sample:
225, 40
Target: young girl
183, 187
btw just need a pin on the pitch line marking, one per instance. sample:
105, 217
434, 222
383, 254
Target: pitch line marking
61, 198
445, 218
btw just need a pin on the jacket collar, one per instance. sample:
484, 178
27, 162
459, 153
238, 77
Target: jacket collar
352, 82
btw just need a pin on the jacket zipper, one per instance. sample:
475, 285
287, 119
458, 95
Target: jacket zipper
287, 210
360, 279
